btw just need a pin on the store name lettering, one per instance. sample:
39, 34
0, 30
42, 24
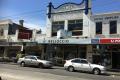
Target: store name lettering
107, 18
58, 41
115, 41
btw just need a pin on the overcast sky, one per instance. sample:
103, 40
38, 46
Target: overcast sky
34, 11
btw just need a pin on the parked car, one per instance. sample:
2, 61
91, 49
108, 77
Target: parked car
5, 59
34, 61
83, 65
57, 61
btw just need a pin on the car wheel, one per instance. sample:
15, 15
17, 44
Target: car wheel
22, 64
40, 65
96, 71
71, 68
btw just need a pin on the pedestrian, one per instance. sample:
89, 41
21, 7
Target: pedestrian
19, 55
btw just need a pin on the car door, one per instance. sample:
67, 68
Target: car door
34, 61
27, 60
85, 66
76, 64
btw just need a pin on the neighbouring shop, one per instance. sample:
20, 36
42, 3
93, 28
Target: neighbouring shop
33, 50
107, 53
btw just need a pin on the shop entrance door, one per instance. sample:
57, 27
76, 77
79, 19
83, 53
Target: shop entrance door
116, 60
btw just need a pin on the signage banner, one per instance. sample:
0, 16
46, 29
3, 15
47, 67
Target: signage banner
95, 41
4, 43
64, 41
24, 34
109, 41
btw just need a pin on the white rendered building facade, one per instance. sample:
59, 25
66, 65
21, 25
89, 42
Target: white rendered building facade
67, 15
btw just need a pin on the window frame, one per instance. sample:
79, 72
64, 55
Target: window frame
73, 61
27, 57
111, 27
78, 23
33, 58
100, 29
84, 60
57, 23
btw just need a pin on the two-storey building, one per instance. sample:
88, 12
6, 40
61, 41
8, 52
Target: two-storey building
15, 38
72, 31
105, 32
68, 28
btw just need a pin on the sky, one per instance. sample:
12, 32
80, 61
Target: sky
34, 11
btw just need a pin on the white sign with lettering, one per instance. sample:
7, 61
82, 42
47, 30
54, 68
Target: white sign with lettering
64, 41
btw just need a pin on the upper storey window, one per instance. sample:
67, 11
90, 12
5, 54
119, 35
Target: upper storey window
98, 27
57, 26
113, 27
76, 26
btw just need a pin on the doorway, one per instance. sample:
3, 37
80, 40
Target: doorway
116, 60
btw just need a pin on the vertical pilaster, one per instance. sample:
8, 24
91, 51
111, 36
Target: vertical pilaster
89, 53
16, 35
118, 26
43, 51
34, 35
5, 52
49, 20
105, 28
66, 25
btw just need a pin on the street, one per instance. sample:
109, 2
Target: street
15, 72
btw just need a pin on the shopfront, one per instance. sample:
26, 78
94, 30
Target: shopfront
107, 53
60, 50
11, 49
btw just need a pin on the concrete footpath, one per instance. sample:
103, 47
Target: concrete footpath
113, 73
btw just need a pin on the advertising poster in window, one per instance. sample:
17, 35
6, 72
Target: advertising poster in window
24, 34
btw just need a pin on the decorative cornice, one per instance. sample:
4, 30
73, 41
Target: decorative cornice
68, 3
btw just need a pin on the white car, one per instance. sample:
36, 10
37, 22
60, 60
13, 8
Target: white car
34, 61
83, 65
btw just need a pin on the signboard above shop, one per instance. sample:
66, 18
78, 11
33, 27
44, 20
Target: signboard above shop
102, 18
110, 41
24, 34
64, 41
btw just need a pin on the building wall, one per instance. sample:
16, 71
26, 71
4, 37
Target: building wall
105, 19
70, 11
4, 25
12, 32
89, 53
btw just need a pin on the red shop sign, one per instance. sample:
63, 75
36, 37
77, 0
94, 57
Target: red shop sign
110, 41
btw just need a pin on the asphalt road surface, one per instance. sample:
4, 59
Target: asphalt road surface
15, 72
